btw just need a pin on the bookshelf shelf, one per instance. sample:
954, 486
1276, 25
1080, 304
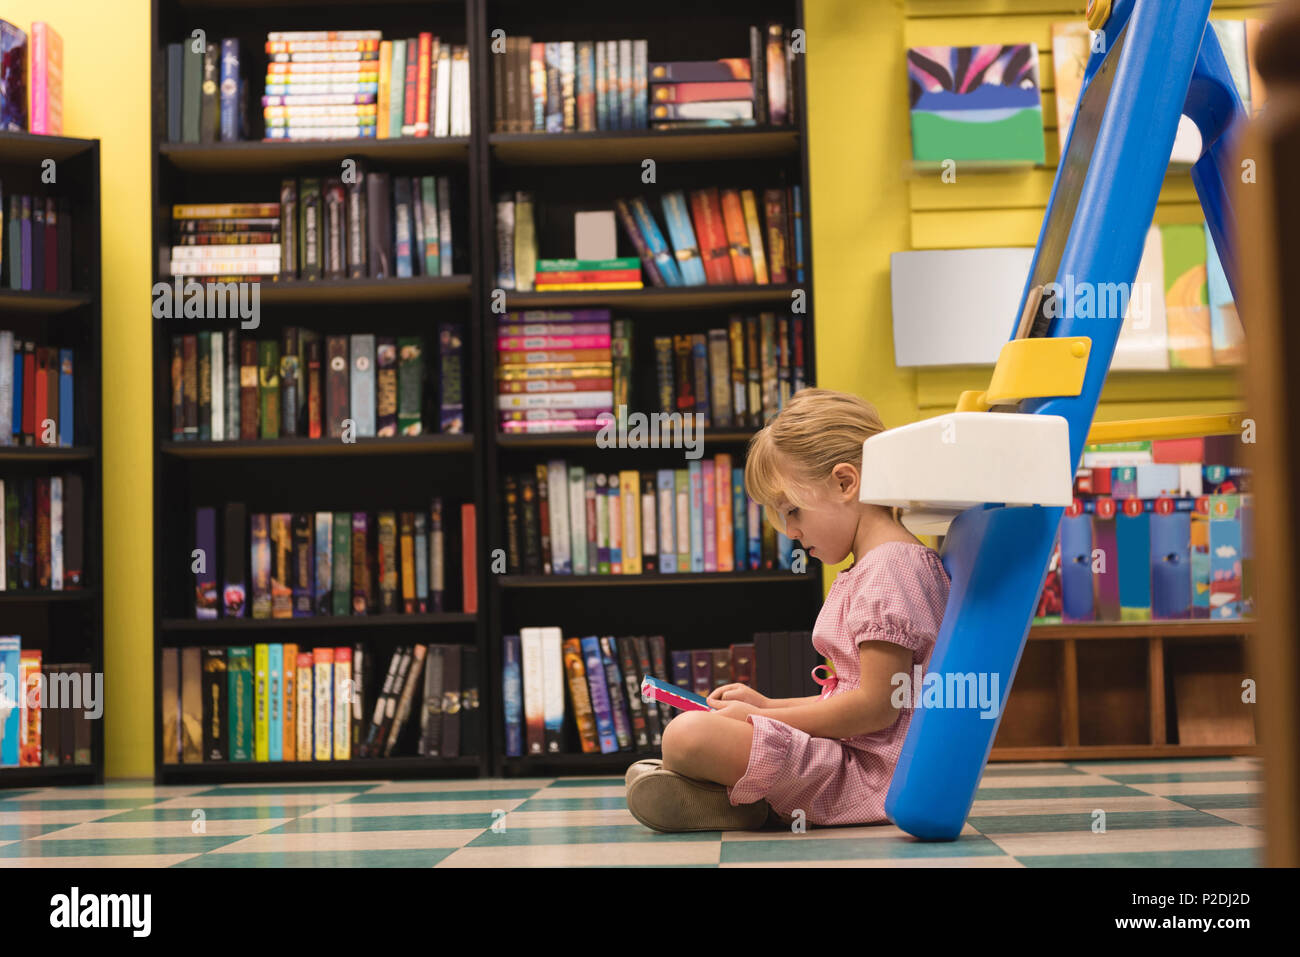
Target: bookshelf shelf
1167, 628
321, 621
581, 763
587, 440
644, 579
18, 300
654, 298
41, 595
65, 626
261, 156
274, 448
75, 453
544, 149
357, 291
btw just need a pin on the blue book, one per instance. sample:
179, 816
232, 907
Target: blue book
18, 388
682, 669
600, 705
783, 544
323, 599
65, 398
1133, 542
10, 692
600, 80
654, 241
230, 83
796, 219
403, 234
275, 694
667, 511
363, 384
626, 112
1076, 568
617, 705
616, 518
739, 539
512, 683
421, 562
1171, 556
685, 246
696, 469
754, 525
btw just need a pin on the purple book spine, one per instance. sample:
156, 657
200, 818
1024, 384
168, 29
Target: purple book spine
27, 242
599, 694
701, 673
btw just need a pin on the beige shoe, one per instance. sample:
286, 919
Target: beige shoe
671, 802
640, 768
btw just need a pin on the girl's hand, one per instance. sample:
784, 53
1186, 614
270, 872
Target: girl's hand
738, 710
719, 697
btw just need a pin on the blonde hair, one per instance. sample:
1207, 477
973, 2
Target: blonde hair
790, 459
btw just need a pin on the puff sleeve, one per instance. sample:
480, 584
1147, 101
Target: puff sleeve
899, 598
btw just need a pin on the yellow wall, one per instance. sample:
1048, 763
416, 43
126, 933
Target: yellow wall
106, 97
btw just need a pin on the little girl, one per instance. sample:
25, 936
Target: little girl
829, 756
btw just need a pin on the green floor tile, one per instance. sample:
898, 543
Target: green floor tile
243, 813
1217, 802
587, 783
586, 834
1079, 821
80, 804
1069, 791
419, 857
339, 789
811, 848
21, 832
399, 822
612, 802
993, 771
386, 797
1159, 777
1226, 857
117, 846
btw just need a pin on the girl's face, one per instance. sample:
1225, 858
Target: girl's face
826, 527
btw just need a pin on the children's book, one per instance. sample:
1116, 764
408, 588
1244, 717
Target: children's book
656, 689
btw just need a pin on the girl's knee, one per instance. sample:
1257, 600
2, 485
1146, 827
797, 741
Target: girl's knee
684, 735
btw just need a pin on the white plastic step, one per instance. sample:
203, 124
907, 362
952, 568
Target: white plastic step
937, 468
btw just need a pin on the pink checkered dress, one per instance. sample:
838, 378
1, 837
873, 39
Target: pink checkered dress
896, 592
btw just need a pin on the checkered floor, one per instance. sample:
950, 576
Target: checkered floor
1202, 813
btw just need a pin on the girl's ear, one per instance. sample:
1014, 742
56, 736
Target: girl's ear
846, 479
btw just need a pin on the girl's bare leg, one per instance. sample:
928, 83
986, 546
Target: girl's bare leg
708, 747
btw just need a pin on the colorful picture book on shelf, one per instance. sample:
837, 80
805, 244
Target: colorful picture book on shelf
37, 405
285, 702
978, 103
1162, 536
42, 532
36, 731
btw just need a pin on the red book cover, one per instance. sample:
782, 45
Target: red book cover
42, 398
567, 277
468, 559
313, 389
248, 406
774, 218
422, 85
29, 390
733, 218
706, 211
530, 386
701, 92
412, 73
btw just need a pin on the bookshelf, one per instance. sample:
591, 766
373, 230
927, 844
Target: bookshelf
571, 172
300, 473
66, 625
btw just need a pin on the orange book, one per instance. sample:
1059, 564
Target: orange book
29, 691
385, 88
733, 217
580, 695
422, 86
726, 541
711, 235
289, 705
42, 393
469, 559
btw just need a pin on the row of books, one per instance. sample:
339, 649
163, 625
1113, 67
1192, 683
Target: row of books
37, 243
1153, 541
31, 101
717, 239
564, 520
36, 393
207, 97
985, 103
588, 690
740, 376
569, 86
318, 564
42, 532
365, 224
280, 702
36, 730
225, 387
557, 370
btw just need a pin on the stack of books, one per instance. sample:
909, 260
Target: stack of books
312, 385
575, 275
322, 85
738, 377
205, 92
562, 519
42, 732
37, 250
312, 564
283, 702
423, 88
41, 533
369, 224
569, 86
555, 370
236, 241
36, 393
